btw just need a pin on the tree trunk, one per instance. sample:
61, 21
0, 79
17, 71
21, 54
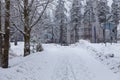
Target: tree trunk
26, 29
61, 34
26, 44
16, 41
52, 36
104, 35
76, 33
116, 33
6, 35
0, 38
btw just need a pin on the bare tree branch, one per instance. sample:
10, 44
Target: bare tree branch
16, 26
39, 16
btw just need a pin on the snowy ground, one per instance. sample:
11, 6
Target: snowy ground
82, 61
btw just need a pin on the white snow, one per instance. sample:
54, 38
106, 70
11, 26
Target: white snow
76, 62
17, 50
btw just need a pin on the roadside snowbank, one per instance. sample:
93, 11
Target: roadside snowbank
80, 61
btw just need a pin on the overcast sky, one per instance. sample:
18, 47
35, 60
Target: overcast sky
109, 2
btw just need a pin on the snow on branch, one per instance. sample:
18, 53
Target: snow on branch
40, 15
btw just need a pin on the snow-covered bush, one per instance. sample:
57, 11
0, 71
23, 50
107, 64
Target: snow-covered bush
39, 47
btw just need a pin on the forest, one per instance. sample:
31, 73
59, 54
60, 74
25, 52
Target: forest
39, 25
59, 39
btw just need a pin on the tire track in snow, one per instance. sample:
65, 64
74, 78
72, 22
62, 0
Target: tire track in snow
80, 69
67, 70
63, 71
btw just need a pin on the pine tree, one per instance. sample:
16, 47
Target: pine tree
89, 19
103, 11
61, 21
75, 20
115, 15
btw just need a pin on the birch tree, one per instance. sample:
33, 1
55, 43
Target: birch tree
31, 12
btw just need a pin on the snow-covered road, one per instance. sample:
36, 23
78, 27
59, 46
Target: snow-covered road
78, 64
58, 63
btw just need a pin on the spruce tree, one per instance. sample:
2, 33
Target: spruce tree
103, 11
61, 22
115, 15
89, 19
75, 20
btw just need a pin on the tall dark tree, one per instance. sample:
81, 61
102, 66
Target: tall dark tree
61, 19
75, 20
103, 11
26, 30
6, 35
0, 36
115, 15
89, 18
